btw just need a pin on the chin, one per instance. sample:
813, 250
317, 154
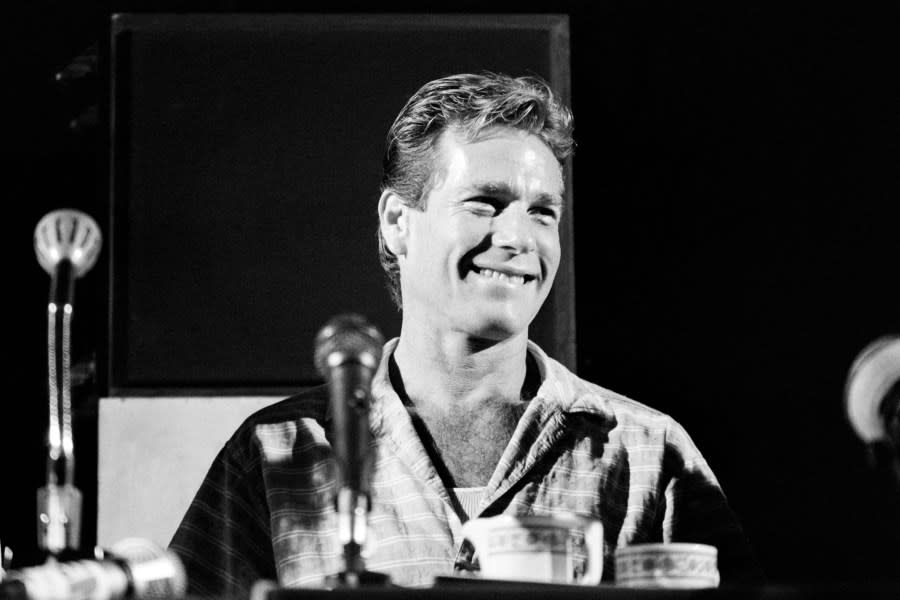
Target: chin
499, 327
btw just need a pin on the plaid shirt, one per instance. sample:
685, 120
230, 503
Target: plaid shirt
266, 507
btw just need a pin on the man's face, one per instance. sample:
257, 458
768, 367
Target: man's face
482, 255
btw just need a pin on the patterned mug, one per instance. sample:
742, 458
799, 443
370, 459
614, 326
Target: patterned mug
564, 549
674, 565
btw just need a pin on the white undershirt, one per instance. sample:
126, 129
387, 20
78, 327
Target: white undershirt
469, 499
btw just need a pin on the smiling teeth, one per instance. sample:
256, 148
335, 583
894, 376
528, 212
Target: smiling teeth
517, 279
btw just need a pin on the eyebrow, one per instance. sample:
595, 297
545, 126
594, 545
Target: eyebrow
503, 190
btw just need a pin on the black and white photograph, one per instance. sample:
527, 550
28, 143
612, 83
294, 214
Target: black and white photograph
467, 300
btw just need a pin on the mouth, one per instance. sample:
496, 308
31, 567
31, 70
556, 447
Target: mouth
504, 276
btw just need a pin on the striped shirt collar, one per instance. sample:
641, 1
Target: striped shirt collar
560, 390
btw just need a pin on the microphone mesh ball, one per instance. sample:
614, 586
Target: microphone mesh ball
67, 234
347, 338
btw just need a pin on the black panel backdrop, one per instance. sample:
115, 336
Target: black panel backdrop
247, 162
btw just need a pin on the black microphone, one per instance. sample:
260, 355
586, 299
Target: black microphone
347, 354
872, 396
133, 569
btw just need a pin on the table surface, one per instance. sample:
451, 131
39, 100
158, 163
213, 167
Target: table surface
473, 589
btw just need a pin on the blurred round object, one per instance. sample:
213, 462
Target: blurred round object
872, 389
676, 565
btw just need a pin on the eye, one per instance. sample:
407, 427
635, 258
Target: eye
484, 205
546, 214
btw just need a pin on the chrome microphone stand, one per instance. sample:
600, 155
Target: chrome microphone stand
67, 243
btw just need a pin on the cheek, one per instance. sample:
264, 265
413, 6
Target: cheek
548, 242
441, 246
463, 234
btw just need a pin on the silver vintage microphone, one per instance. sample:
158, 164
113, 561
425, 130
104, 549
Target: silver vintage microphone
133, 569
347, 354
67, 243
871, 391
872, 399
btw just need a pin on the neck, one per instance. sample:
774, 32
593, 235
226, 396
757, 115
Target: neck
456, 372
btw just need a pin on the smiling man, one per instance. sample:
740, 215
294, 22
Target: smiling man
476, 257
469, 418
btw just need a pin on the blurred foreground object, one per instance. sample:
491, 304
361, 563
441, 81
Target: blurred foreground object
873, 391
872, 397
667, 565
134, 568
67, 243
6, 556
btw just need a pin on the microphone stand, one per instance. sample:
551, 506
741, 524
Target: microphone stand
59, 506
353, 512
67, 243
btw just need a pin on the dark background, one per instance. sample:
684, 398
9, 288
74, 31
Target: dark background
736, 185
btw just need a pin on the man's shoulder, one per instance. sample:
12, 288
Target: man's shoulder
598, 408
622, 406
649, 433
311, 403
633, 422
580, 395
282, 424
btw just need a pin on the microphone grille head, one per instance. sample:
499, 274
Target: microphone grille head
874, 372
156, 573
67, 234
347, 338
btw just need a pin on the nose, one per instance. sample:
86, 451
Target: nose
514, 230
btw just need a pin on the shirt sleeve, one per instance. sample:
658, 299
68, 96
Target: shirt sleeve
696, 510
224, 538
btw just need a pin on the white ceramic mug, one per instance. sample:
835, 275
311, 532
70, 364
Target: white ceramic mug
674, 565
553, 549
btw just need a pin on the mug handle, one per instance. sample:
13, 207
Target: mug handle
593, 539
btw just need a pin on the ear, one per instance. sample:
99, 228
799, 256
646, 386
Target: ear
393, 215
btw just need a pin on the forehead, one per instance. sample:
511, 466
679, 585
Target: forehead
500, 156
